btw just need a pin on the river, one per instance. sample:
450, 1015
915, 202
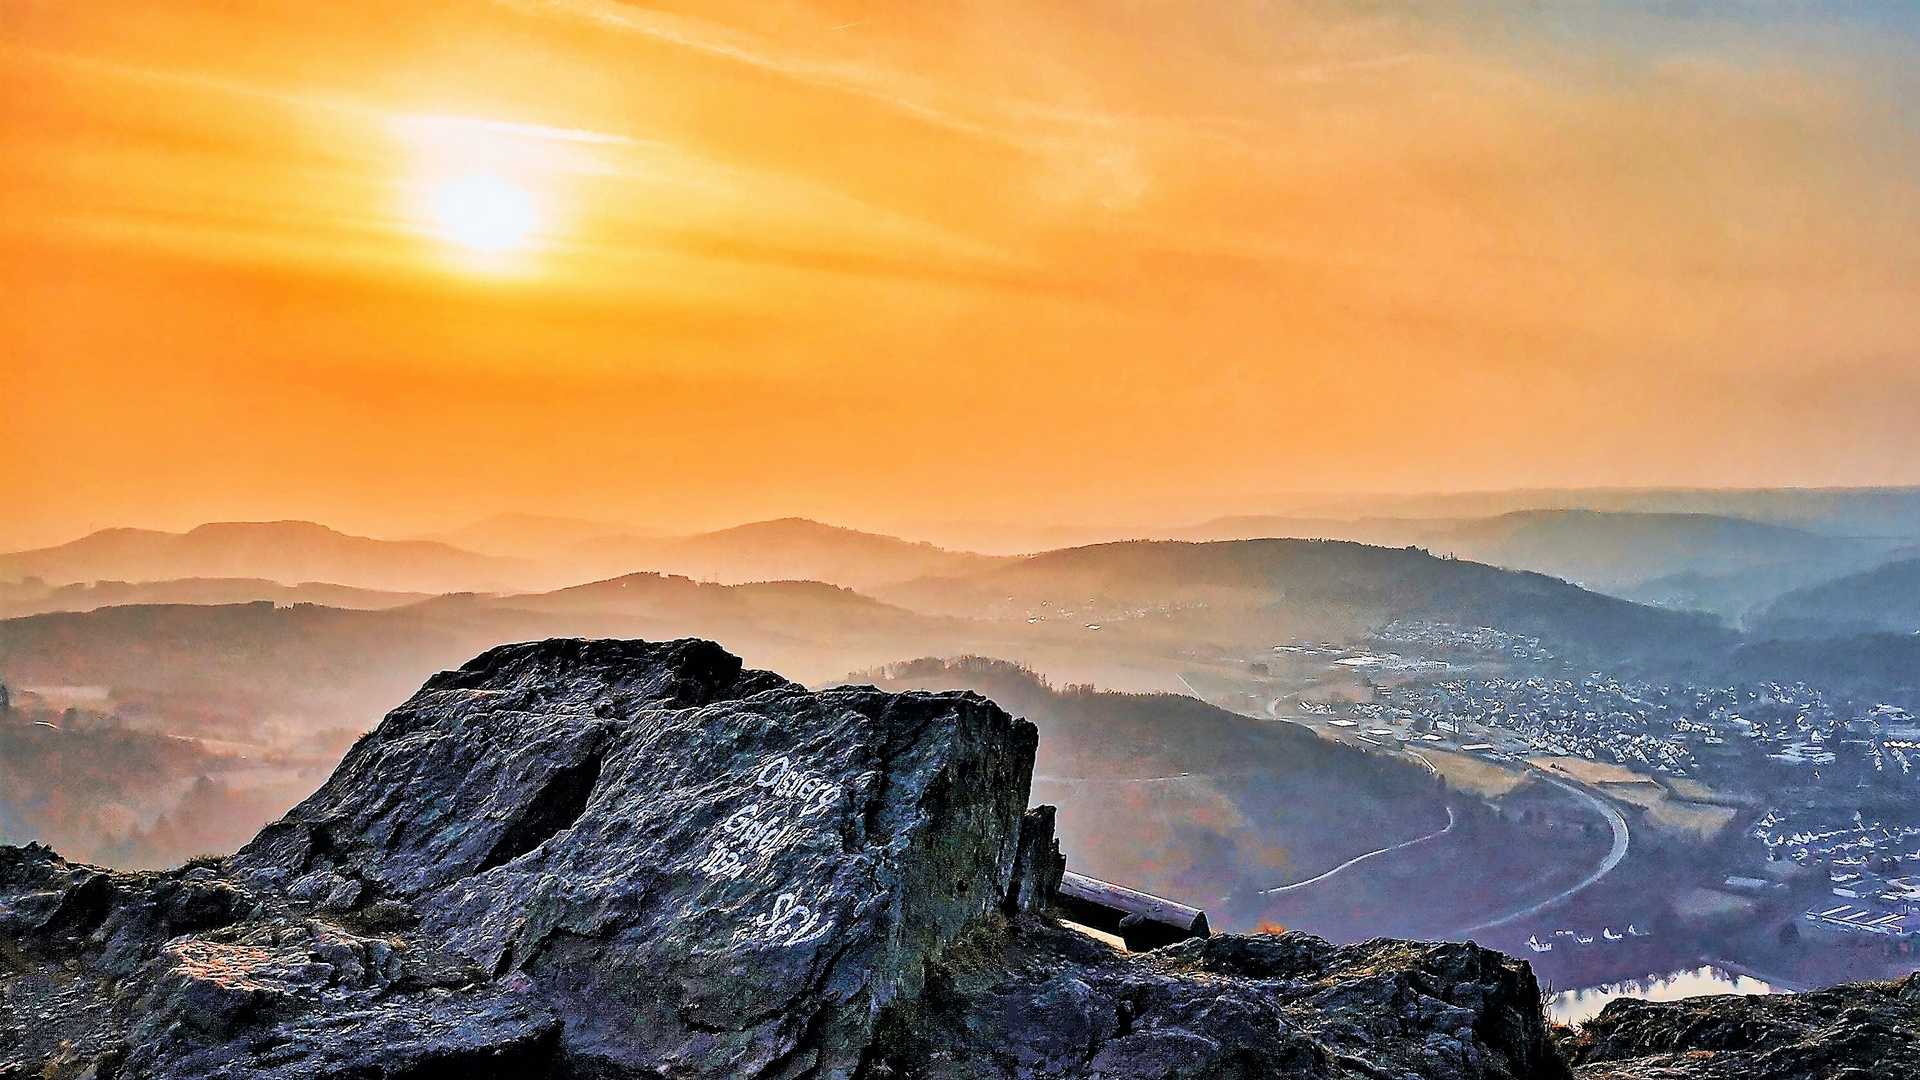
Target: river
1574, 1006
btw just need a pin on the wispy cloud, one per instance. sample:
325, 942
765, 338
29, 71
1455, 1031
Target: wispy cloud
1038, 245
501, 127
909, 95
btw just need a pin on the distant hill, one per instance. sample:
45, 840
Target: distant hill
36, 597
1885, 599
1705, 562
1148, 599
807, 609
787, 549
224, 667
1278, 590
1629, 548
288, 552
532, 536
1869, 667
1882, 512
526, 552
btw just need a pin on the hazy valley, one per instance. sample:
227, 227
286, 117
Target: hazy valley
1231, 721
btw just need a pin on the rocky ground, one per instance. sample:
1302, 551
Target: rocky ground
1037, 1001
1866, 1031
600, 860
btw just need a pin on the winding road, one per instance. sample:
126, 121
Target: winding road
1618, 852
1356, 860
1615, 854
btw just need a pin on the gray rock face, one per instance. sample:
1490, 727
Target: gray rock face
590, 860
706, 870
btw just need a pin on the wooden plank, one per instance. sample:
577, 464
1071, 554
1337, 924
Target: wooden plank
1142, 920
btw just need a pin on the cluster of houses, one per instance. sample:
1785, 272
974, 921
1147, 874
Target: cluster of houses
1795, 725
1870, 873
1438, 640
1729, 735
1428, 687
1756, 740
1753, 741
1598, 718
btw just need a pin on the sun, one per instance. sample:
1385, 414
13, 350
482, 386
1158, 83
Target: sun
484, 212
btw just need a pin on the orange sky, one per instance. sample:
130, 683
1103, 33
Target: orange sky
882, 262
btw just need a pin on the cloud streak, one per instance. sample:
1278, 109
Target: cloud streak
953, 259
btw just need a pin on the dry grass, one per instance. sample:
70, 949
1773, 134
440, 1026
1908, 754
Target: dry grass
1700, 819
1666, 806
1483, 778
1590, 772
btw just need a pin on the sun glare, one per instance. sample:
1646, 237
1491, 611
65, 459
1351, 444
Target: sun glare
484, 212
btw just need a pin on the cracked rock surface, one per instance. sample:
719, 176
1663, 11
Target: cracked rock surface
598, 860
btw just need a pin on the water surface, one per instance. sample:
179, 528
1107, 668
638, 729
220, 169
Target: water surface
1574, 1006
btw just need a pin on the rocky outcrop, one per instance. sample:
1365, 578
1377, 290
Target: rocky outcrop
704, 870
607, 859
1865, 1031
1037, 1001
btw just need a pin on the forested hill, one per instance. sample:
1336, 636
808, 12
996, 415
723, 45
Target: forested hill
1310, 589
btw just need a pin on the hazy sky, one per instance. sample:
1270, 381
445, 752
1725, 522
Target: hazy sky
883, 261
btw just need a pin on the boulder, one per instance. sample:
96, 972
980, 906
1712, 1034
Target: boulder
705, 870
